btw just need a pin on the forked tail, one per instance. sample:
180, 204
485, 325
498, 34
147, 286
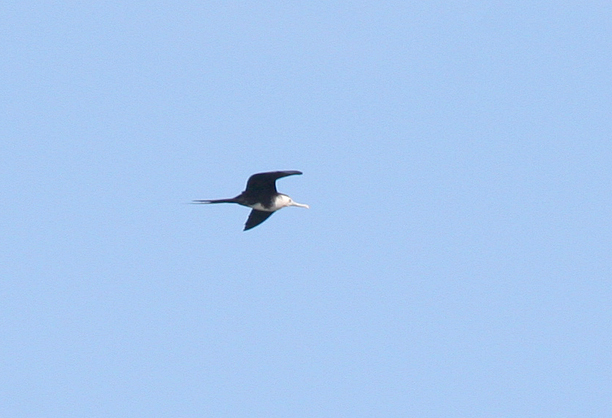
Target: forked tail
233, 200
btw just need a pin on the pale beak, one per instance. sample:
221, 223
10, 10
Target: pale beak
300, 205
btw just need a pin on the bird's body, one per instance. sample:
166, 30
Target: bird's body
261, 196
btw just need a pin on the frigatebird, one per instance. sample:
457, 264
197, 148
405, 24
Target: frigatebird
261, 196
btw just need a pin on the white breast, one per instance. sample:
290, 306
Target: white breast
259, 206
280, 201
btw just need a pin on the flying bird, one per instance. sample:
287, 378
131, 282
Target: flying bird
261, 196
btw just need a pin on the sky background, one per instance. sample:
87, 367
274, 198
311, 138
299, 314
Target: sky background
456, 260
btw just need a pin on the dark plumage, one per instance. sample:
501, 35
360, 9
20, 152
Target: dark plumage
261, 195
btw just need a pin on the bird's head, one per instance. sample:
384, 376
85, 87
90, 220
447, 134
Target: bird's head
284, 201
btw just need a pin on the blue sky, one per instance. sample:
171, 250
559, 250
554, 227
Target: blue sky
455, 260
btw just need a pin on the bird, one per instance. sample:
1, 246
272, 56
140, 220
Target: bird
261, 196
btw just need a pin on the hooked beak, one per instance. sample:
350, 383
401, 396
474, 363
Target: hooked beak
300, 205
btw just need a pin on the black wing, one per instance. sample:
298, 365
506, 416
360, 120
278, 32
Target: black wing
255, 218
266, 181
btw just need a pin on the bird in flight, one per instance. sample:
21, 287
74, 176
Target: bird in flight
261, 196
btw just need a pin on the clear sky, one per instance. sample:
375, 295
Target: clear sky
456, 260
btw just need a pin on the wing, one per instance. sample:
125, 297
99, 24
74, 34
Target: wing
255, 218
266, 181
